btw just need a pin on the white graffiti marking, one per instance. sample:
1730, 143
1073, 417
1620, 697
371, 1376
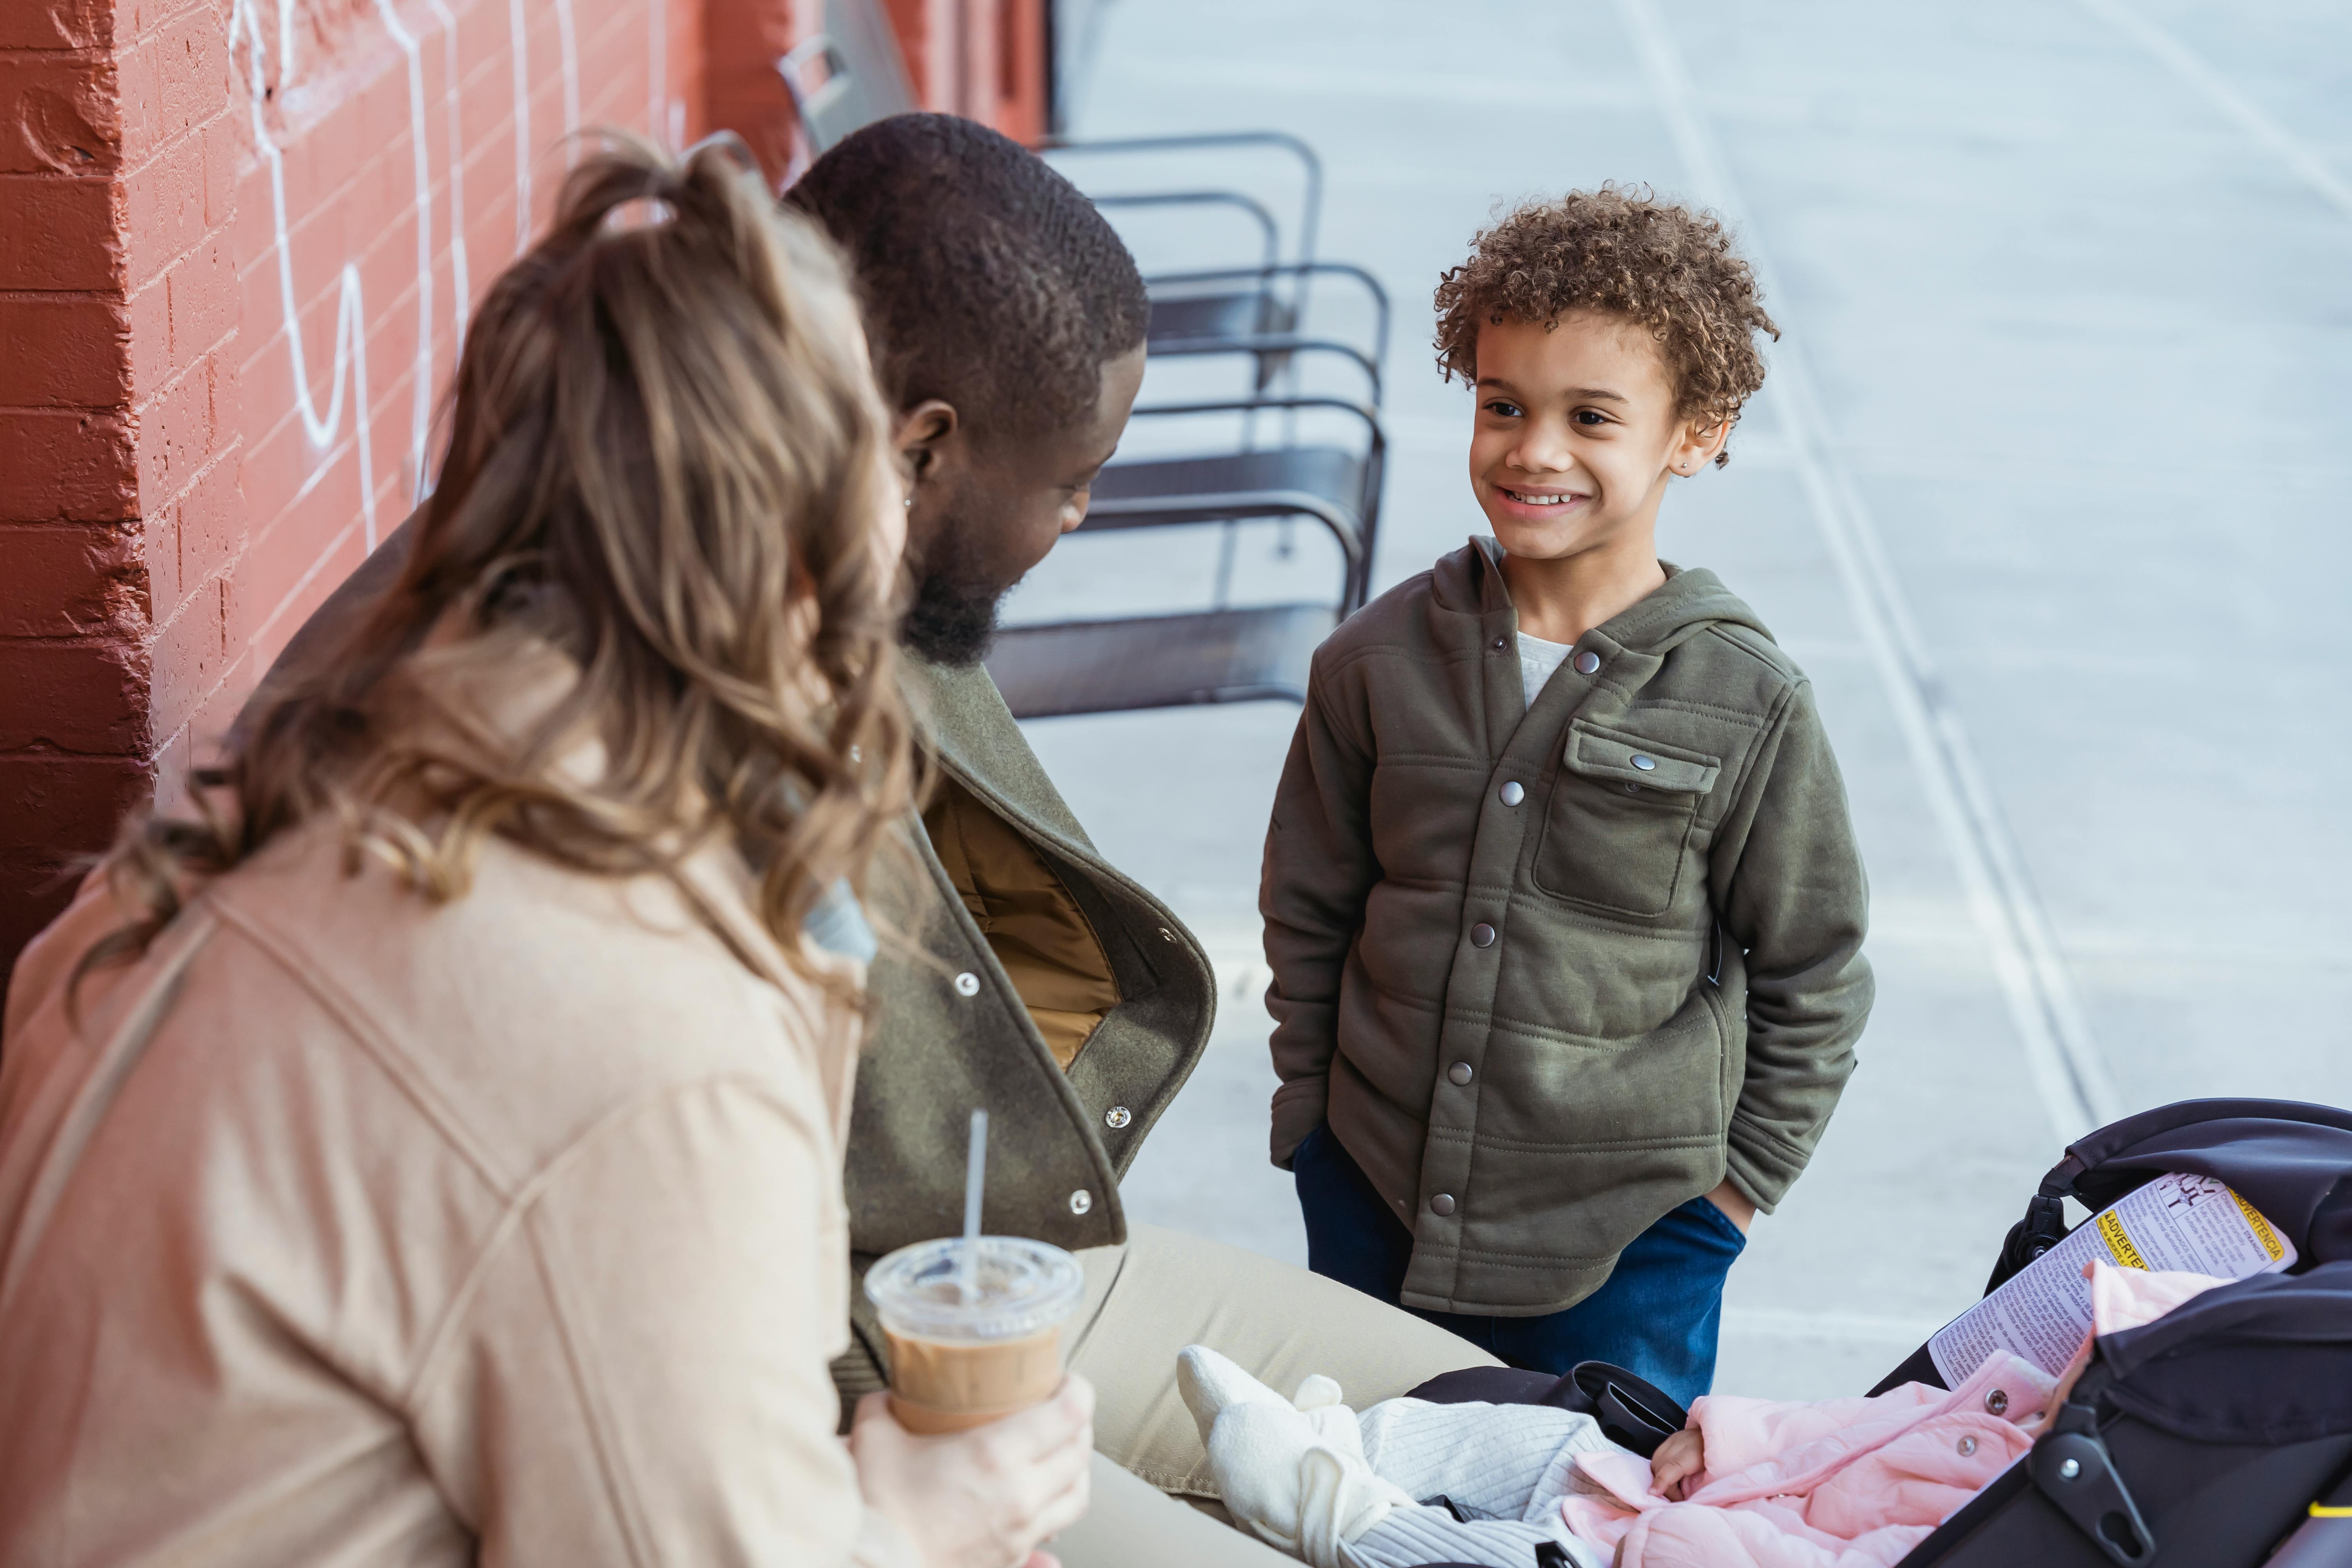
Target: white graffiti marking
519, 29
656, 67
351, 311
285, 39
459, 275
420, 413
349, 375
569, 42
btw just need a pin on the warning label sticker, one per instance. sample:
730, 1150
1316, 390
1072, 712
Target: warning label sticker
2178, 1222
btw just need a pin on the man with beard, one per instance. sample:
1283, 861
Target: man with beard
1007, 324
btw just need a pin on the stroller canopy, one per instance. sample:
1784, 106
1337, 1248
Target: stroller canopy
2265, 1361
2291, 1160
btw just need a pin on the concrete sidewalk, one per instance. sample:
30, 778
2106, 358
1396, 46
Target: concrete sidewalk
2045, 494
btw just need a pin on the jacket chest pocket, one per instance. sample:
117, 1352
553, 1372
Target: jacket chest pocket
1616, 834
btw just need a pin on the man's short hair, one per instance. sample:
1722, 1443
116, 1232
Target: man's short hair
1621, 252
990, 282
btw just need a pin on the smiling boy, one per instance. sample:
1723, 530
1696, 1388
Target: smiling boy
1562, 899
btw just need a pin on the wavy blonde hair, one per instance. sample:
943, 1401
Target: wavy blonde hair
667, 458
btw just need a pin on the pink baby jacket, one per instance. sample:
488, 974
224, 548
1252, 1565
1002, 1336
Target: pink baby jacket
1846, 1483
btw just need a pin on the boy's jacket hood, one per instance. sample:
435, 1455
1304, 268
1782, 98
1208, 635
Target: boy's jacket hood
1471, 582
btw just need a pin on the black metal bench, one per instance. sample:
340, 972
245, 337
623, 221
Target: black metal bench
1223, 653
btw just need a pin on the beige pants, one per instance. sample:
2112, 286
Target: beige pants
1164, 1290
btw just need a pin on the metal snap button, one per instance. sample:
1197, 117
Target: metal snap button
1502, 642
1997, 1401
1647, 765
1459, 1072
1587, 662
967, 983
1512, 794
1441, 1204
1632, 788
1081, 1201
1482, 935
1968, 1446
1117, 1117
2070, 1470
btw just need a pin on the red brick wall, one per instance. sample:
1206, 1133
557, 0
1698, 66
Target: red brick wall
117, 332
237, 241
982, 58
744, 39
348, 214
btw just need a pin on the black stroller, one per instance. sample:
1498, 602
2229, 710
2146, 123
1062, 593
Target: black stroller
2216, 1433
2217, 1436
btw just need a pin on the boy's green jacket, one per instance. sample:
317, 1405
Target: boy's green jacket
1549, 972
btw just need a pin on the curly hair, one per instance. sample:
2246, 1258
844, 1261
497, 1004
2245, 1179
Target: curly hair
1623, 252
990, 282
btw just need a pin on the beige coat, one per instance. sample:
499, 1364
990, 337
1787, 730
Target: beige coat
348, 1229
952, 1027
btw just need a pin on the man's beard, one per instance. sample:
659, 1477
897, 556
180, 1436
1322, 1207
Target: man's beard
952, 619
950, 622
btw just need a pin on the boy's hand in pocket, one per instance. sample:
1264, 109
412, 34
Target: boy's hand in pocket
1734, 1206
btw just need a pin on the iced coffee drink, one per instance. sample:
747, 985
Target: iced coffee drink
968, 1347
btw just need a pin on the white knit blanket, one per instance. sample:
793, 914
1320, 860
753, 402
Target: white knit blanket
1341, 1490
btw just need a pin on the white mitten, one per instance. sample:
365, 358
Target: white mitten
1209, 1383
1294, 1471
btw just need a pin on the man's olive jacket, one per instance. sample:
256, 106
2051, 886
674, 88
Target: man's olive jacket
1550, 972
947, 1034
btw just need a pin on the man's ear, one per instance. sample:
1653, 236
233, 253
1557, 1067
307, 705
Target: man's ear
926, 435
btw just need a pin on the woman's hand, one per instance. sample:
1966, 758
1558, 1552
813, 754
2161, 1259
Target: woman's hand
981, 1499
1678, 1460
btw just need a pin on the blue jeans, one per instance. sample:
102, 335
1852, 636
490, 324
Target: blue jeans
1658, 1316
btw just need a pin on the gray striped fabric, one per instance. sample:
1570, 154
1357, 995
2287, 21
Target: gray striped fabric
1412, 1537
1497, 1461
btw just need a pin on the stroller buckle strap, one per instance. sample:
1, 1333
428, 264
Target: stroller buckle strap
2073, 1468
2045, 1224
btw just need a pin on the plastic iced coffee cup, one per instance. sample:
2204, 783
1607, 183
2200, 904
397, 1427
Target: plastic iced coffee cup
962, 1357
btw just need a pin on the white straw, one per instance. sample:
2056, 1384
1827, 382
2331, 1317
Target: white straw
974, 1170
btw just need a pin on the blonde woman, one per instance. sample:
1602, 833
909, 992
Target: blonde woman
431, 1152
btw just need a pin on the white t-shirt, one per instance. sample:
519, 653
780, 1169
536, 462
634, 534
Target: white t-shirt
1537, 659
